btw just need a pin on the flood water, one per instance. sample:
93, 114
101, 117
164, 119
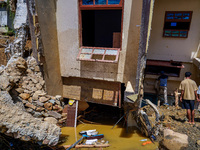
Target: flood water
117, 137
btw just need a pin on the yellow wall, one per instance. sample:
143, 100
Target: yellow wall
179, 49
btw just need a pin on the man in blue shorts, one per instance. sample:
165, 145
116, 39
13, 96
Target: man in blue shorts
188, 89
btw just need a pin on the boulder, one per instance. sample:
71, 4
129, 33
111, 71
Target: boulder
48, 106
37, 68
21, 67
174, 140
4, 83
35, 96
38, 86
19, 90
40, 109
30, 105
37, 114
50, 120
39, 103
54, 114
43, 99
24, 96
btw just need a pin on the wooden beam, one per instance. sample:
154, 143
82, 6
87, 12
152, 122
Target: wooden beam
88, 146
32, 32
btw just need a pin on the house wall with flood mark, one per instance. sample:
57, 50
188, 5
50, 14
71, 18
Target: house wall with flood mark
86, 54
77, 29
69, 41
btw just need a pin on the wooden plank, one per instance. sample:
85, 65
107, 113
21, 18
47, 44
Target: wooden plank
95, 91
88, 146
116, 39
72, 92
32, 32
108, 95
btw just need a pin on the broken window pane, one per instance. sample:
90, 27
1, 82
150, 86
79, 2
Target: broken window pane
99, 51
85, 56
111, 52
100, 2
98, 57
86, 50
87, 2
113, 1
110, 57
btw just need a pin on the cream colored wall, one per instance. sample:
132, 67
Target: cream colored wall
130, 42
68, 43
68, 36
179, 49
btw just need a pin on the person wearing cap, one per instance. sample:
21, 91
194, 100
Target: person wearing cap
188, 89
163, 86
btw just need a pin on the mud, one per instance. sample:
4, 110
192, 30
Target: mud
3, 44
176, 120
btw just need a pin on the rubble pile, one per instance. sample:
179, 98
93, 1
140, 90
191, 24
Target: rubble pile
21, 125
31, 89
27, 112
174, 130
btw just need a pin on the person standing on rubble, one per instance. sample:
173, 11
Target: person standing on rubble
188, 89
163, 86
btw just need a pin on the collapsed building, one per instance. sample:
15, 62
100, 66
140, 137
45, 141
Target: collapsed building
96, 52
21, 114
94, 49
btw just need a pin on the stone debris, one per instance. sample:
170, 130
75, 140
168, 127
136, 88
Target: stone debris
28, 112
172, 131
174, 140
20, 124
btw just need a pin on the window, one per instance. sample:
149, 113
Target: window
171, 68
177, 23
100, 30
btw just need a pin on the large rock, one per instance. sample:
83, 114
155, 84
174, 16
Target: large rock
20, 124
51, 120
43, 99
174, 140
30, 105
4, 83
48, 106
19, 90
54, 114
24, 96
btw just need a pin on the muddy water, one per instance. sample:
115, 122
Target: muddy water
117, 137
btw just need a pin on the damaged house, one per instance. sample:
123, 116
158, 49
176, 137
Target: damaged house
94, 48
